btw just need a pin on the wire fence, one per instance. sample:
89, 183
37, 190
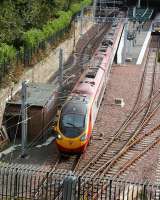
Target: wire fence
29, 56
16, 183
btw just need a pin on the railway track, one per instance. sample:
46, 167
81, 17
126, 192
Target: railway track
70, 163
102, 140
94, 42
134, 138
57, 162
136, 121
83, 57
129, 144
113, 159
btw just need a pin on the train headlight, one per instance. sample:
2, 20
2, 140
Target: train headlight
59, 136
83, 138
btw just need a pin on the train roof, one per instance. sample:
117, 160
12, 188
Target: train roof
74, 107
85, 87
78, 98
90, 80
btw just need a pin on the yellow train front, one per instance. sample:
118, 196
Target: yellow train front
73, 128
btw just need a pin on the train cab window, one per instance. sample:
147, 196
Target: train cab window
72, 120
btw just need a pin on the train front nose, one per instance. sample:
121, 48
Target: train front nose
72, 125
70, 145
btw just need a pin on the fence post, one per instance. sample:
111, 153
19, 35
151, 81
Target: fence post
47, 185
24, 118
110, 189
69, 187
15, 184
79, 188
144, 193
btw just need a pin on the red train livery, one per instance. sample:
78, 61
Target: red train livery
78, 114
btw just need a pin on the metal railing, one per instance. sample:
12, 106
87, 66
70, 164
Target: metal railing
16, 183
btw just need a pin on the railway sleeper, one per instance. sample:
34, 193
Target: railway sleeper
138, 150
112, 173
128, 157
91, 171
97, 166
116, 145
108, 155
135, 148
102, 161
122, 162
109, 176
143, 146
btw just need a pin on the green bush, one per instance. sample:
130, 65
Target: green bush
75, 8
33, 37
64, 19
86, 2
54, 26
6, 52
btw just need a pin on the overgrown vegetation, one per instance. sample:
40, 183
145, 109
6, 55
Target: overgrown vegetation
6, 52
28, 22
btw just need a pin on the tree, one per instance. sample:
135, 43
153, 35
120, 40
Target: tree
11, 27
19, 16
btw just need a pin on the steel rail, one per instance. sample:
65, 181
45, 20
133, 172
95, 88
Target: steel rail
134, 113
94, 42
131, 143
109, 163
135, 158
146, 117
149, 114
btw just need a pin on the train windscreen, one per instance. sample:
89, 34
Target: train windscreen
72, 121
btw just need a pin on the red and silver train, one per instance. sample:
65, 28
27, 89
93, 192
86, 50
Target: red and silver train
78, 114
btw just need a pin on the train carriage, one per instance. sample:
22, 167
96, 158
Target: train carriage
78, 114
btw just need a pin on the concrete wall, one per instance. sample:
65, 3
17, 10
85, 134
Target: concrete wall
144, 47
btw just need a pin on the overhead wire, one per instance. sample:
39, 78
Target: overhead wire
14, 140
19, 113
69, 76
4, 122
63, 97
20, 122
40, 134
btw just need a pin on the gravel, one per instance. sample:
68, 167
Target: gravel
123, 83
